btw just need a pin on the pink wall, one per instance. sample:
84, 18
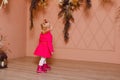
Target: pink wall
13, 24
93, 38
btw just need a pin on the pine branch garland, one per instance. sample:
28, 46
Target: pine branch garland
34, 5
88, 4
67, 7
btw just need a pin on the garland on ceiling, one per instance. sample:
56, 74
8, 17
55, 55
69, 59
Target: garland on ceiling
34, 5
67, 8
3, 3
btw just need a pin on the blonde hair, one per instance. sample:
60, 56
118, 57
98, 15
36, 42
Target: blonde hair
45, 27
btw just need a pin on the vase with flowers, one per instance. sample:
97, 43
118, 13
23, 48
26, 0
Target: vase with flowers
3, 51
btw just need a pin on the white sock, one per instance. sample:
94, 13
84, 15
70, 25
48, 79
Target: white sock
42, 60
45, 61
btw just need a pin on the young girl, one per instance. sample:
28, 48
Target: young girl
45, 47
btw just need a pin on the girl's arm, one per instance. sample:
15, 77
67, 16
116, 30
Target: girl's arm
50, 45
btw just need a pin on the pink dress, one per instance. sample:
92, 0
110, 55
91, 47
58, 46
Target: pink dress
45, 46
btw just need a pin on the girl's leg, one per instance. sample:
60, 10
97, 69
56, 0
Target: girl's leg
42, 61
41, 68
45, 62
46, 66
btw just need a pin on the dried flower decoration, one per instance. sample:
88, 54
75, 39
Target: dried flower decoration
88, 4
3, 52
3, 3
34, 5
67, 7
106, 2
42, 3
4, 44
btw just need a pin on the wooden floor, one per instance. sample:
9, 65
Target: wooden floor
25, 69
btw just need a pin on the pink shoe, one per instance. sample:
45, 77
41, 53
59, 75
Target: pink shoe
46, 66
40, 69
